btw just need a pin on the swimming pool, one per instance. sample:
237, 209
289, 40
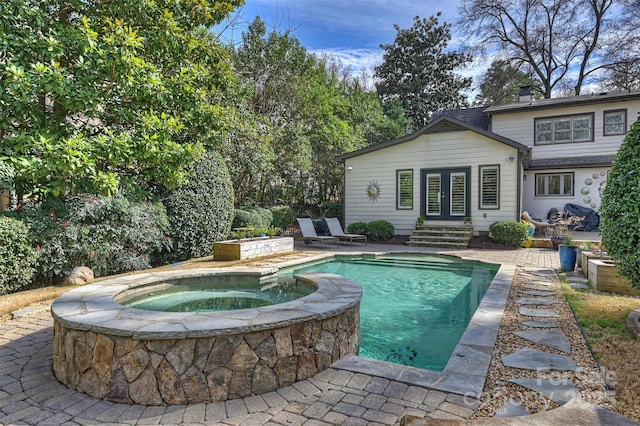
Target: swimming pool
414, 308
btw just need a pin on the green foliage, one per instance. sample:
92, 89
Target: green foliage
201, 211
620, 211
283, 216
509, 232
501, 84
357, 228
296, 112
100, 97
242, 219
380, 230
252, 217
418, 71
17, 256
109, 235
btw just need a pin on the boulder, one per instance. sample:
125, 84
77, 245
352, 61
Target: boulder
80, 275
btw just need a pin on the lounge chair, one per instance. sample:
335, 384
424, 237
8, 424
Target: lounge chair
309, 232
335, 229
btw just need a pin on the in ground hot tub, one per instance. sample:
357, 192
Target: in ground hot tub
131, 355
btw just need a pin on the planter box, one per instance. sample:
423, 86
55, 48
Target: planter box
603, 276
588, 255
251, 247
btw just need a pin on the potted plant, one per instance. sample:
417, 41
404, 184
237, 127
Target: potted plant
467, 220
561, 229
420, 220
561, 235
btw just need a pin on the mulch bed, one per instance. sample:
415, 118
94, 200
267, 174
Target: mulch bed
484, 242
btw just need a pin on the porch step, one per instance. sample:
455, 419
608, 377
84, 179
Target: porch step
441, 236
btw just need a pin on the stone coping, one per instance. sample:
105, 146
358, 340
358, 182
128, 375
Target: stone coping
93, 307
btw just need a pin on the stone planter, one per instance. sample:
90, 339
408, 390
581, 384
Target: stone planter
603, 276
251, 247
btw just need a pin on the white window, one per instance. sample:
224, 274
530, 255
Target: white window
615, 122
554, 184
490, 187
404, 189
564, 129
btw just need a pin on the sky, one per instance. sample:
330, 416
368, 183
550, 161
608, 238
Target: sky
352, 30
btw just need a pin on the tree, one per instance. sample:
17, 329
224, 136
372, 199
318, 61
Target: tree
624, 75
100, 96
565, 43
620, 211
419, 73
201, 211
501, 83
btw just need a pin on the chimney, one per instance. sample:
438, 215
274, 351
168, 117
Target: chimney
525, 94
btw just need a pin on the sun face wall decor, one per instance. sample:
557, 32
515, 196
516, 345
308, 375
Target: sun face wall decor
373, 191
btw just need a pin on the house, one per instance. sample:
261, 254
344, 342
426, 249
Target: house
491, 163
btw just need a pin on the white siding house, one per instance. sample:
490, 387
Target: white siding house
491, 163
573, 142
435, 172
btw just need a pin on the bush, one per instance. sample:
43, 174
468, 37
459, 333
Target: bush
17, 256
108, 235
283, 216
620, 224
509, 232
357, 228
201, 211
380, 230
254, 217
242, 219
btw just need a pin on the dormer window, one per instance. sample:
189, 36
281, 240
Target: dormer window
564, 129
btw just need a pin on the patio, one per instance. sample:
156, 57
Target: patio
354, 391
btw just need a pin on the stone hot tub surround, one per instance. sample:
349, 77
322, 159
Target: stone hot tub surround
136, 356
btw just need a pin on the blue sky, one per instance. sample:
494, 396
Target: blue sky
352, 30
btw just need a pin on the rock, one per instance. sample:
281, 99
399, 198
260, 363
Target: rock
79, 276
169, 384
264, 379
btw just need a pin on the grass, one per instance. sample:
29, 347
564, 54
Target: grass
15, 301
602, 318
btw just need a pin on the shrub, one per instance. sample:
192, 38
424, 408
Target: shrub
283, 216
380, 230
357, 228
201, 211
17, 256
242, 219
254, 217
108, 235
509, 232
620, 224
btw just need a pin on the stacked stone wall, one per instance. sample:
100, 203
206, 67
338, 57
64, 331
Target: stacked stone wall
193, 370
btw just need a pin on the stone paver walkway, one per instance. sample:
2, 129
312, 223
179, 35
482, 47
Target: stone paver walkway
29, 393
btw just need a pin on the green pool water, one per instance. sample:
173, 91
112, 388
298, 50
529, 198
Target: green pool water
216, 293
414, 309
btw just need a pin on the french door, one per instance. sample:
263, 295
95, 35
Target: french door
445, 193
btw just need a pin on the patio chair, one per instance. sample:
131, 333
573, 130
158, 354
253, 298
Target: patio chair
335, 229
309, 232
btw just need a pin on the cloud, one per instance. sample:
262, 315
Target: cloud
362, 19
356, 59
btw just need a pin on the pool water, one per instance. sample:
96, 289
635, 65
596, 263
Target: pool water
414, 309
195, 294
